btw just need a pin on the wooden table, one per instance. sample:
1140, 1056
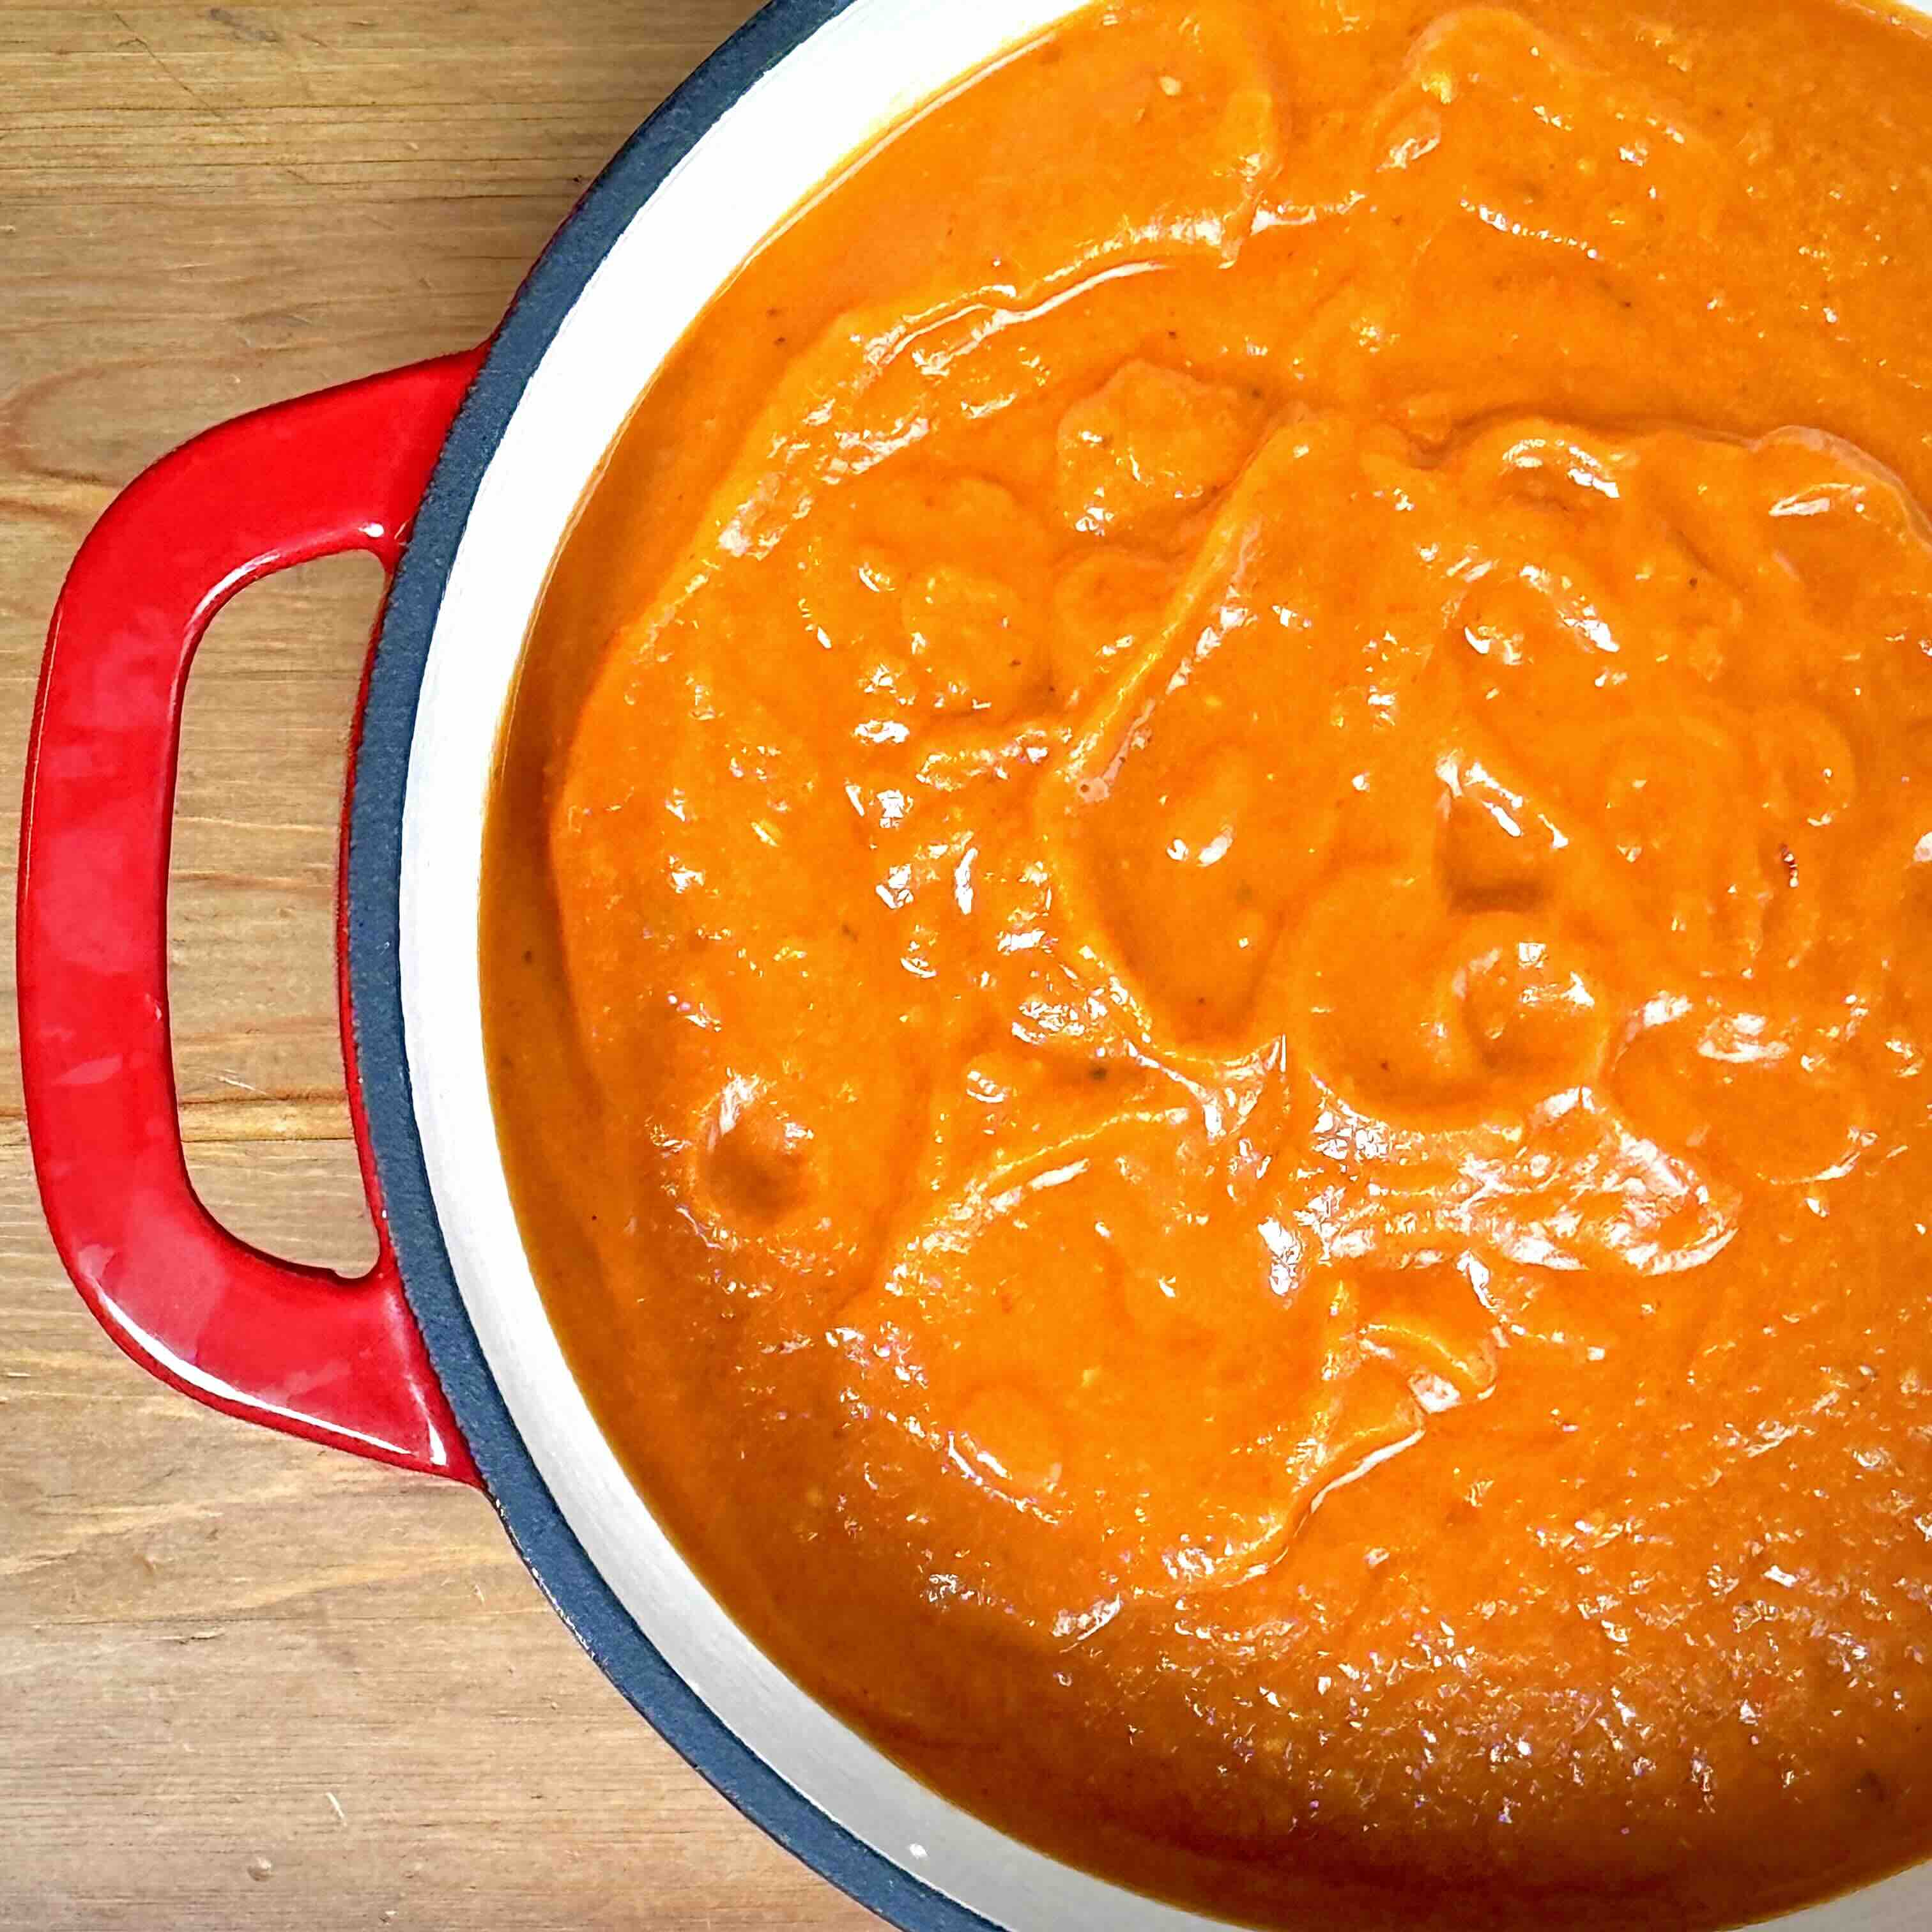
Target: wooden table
243, 1682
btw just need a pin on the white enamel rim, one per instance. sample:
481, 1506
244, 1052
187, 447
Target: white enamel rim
861, 71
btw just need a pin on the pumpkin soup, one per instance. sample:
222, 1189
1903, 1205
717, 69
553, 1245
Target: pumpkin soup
1208, 951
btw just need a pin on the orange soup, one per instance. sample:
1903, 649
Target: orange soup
1208, 951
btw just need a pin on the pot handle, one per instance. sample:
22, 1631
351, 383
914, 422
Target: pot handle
298, 1348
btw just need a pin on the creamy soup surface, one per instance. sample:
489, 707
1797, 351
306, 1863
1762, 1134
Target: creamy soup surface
1208, 950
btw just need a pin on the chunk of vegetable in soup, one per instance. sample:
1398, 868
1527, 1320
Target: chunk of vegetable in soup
1208, 951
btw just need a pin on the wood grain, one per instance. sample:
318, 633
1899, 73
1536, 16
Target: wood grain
245, 1683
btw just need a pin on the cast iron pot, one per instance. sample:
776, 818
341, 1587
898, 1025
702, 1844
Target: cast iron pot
461, 475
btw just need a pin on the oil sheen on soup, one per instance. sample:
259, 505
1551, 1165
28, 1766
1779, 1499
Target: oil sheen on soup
1207, 954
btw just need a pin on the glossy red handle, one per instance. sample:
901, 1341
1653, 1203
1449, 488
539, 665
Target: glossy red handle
298, 1348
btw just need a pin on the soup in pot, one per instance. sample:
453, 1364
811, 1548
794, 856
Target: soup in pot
1208, 953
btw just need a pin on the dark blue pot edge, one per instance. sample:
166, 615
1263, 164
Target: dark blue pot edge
522, 1498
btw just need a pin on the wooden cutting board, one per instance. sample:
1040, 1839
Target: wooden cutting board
244, 1683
